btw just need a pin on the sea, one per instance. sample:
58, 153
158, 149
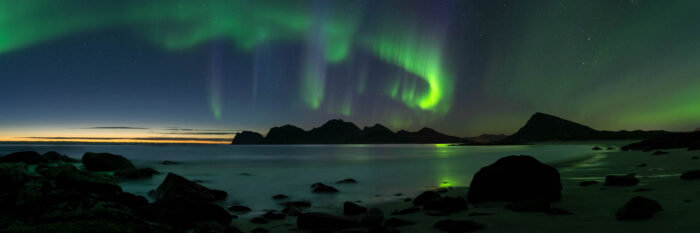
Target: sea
252, 174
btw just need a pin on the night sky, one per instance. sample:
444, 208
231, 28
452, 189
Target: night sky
153, 70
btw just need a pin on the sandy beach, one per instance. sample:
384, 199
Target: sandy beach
593, 206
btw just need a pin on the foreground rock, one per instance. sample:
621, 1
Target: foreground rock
457, 226
68, 177
176, 187
626, 180
515, 178
350, 208
53, 156
322, 188
184, 213
691, 175
323, 221
529, 206
27, 157
638, 208
136, 173
105, 162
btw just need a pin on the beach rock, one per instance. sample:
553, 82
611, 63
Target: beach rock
274, 215
27, 157
374, 217
68, 177
397, 222
616, 180
457, 226
515, 178
658, 152
136, 173
54, 156
425, 197
587, 183
184, 213
642, 165
239, 208
259, 220
347, 181
409, 210
126, 199
446, 204
177, 187
168, 162
322, 188
292, 211
247, 138
324, 221
529, 206
597, 148
280, 197
638, 208
691, 175
105, 162
298, 204
350, 208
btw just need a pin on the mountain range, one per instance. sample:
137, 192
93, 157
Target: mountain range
342, 132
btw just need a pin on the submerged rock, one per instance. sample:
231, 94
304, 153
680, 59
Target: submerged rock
176, 187
239, 208
322, 188
616, 180
350, 208
638, 208
346, 181
597, 148
274, 215
298, 204
168, 162
292, 211
691, 175
280, 197
457, 226
136, 173
105, 162
27, 157
515, 178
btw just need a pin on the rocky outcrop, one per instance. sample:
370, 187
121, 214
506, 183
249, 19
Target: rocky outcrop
247, 137
27, 157
105, 162
322, 188
176, 187
515, 178
350, 208
638, 208
53, 156
184, 213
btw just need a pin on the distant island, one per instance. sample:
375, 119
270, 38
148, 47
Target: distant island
342, 132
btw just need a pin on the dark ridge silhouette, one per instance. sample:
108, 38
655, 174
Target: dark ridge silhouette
689, 140
342, 132
247, 137
487, 138
543, 127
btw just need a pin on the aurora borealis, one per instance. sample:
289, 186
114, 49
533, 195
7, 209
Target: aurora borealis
461, 67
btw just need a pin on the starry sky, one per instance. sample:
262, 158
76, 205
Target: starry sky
199, 71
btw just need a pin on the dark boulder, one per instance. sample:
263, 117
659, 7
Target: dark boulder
515, 178
68, 177
346, 181
616, 180
691, 175
136, 173
298, 204
324, 221
105, 162
350, 208
597, 148
28, 157
425, 197
126, 199
184, 213
457, 226
409, 210
177, 187
292, 211
529, 206
322, 188
54, 156
638, 208
280, 197
247, 137
658, 152
446, 204
168, 162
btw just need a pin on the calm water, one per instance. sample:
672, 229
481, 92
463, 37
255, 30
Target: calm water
381, 170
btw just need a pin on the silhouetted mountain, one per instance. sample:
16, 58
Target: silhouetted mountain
341, 132
487, 138
378, 134
247, 137
542, 127
689, 140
